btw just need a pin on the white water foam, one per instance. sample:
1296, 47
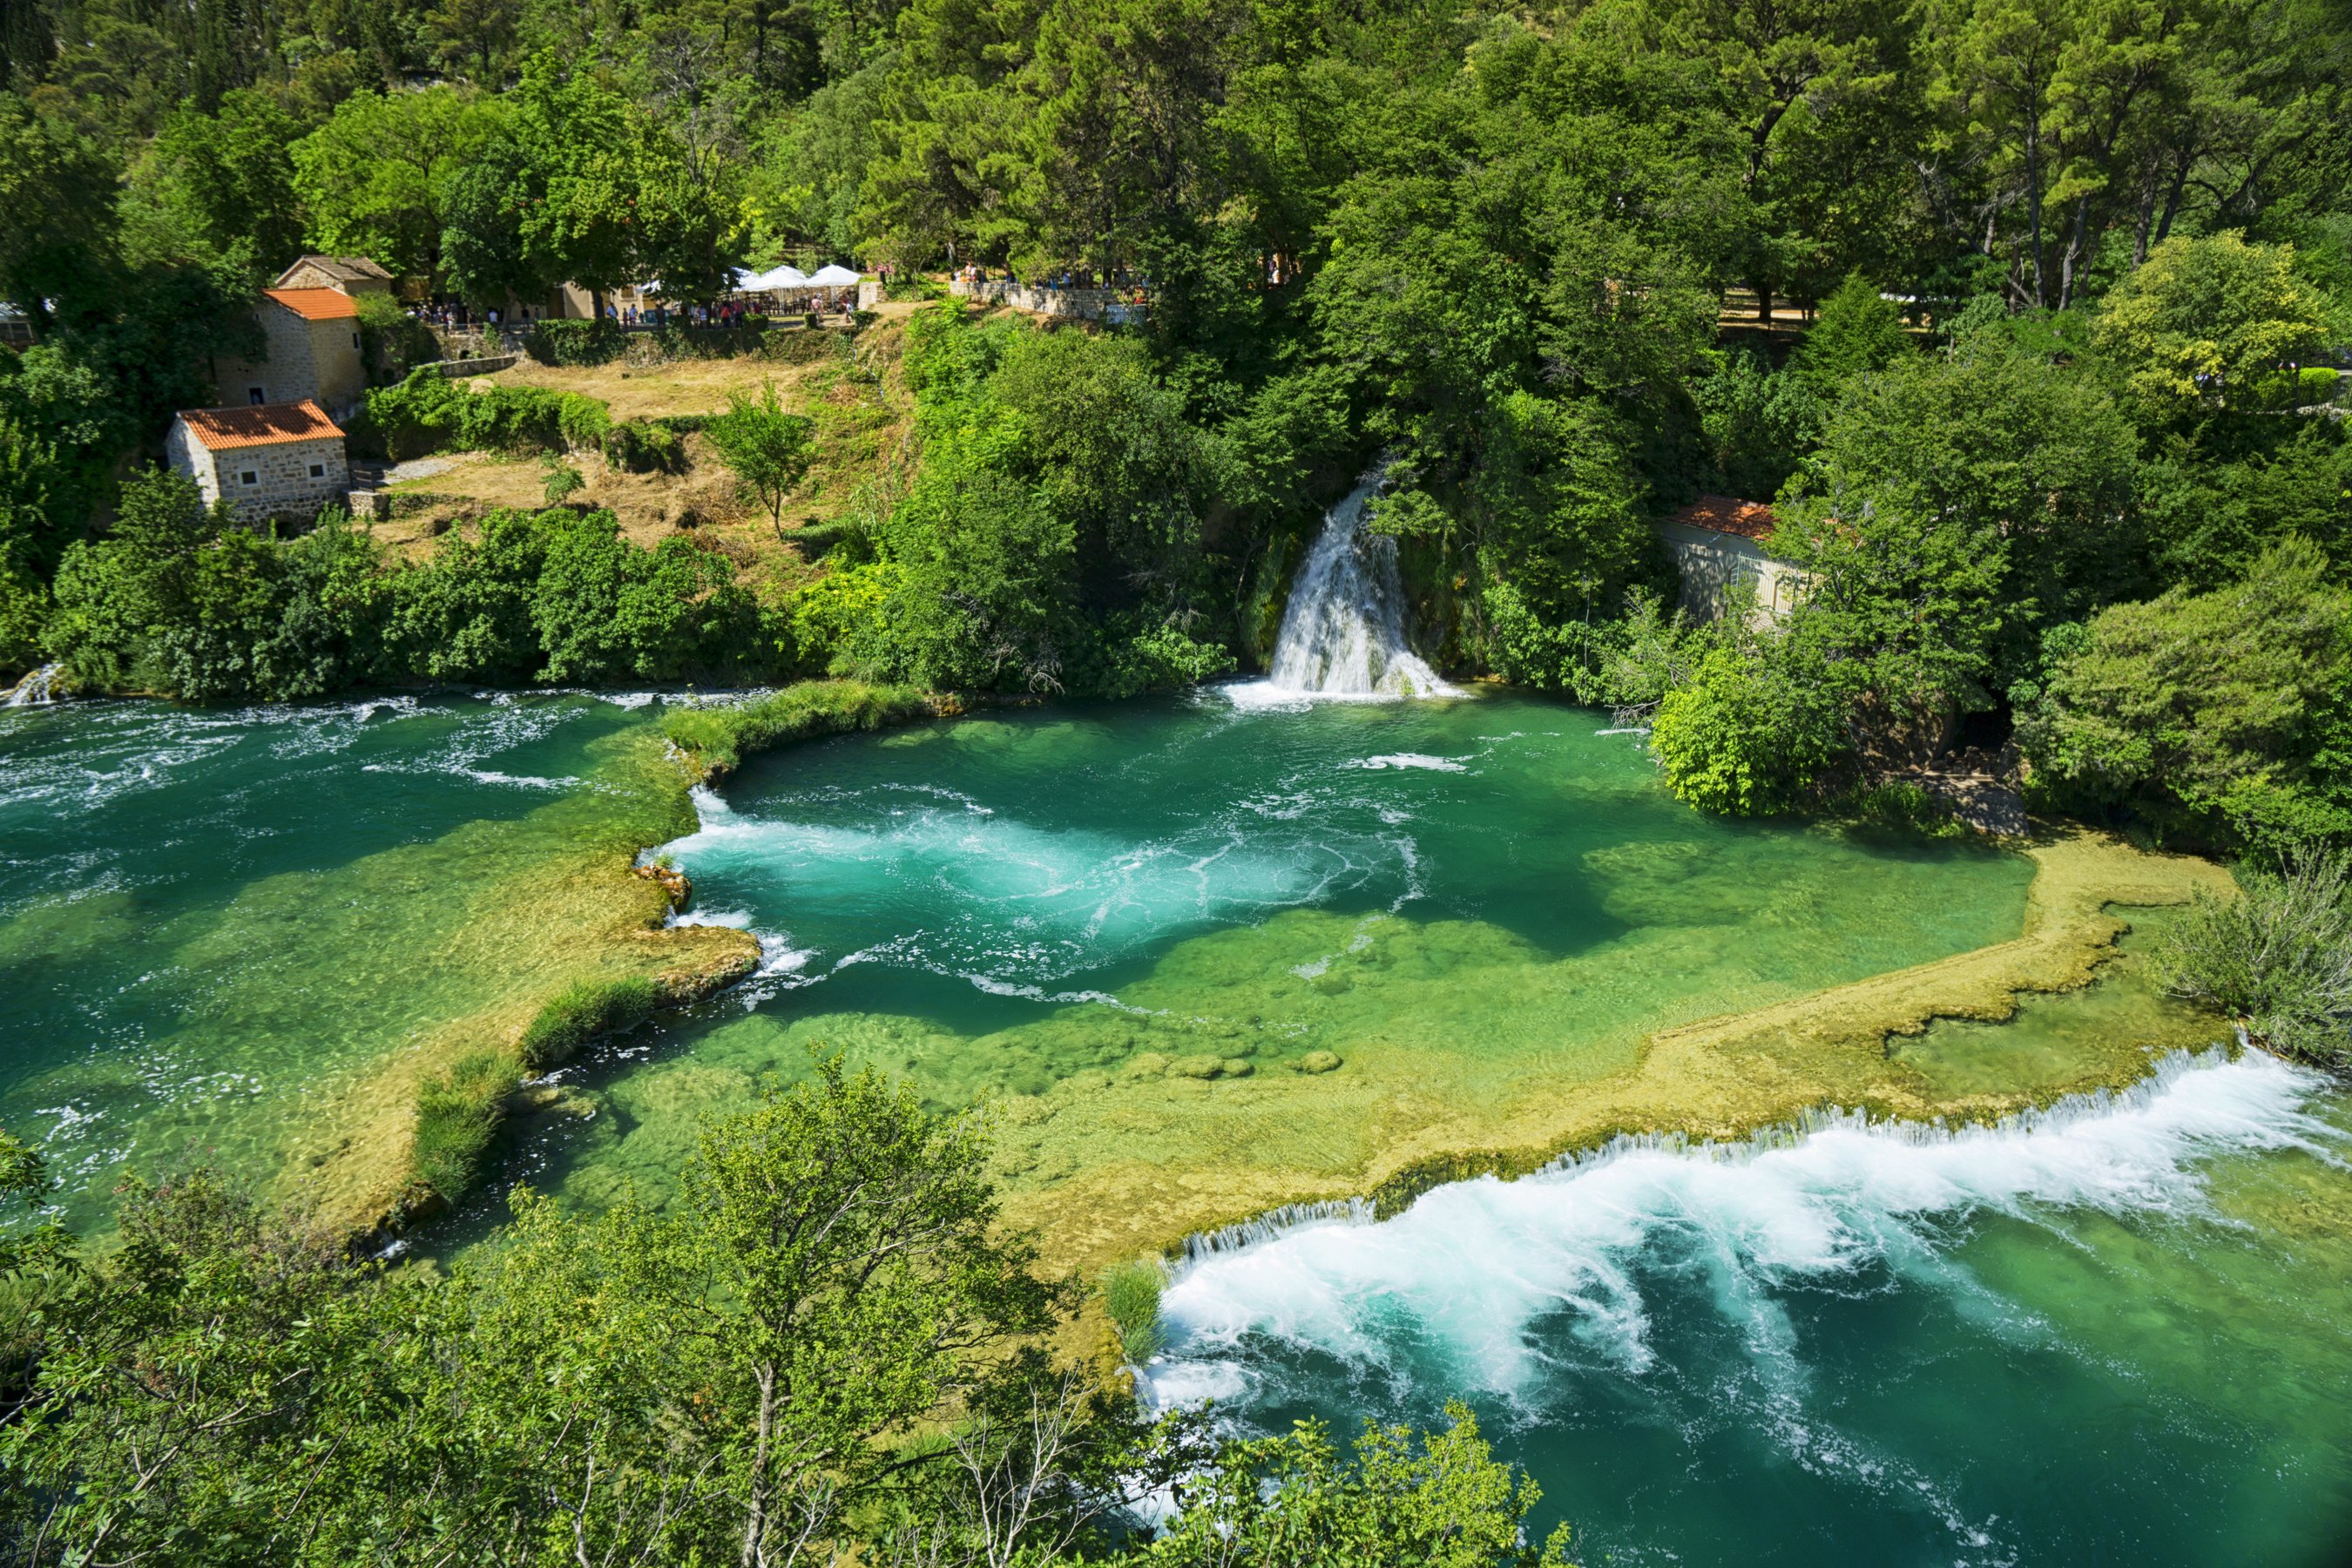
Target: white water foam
1410, 760
1342, 633
1469, 1269
999, 901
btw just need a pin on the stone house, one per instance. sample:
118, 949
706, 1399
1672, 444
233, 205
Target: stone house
271, 461
352, 275
1717, 543
314, 353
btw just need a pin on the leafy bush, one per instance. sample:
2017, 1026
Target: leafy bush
391, 339
1131, 1297
585, 1011
1902, 806
722, 737
1747, 737
575, 343
456, 1114
645, 446
2278, 957
428, 412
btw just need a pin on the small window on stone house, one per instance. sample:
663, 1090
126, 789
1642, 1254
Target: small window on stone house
256, 395
247, 477
317, 471
355, 340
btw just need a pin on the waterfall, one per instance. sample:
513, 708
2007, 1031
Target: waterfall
34, 691
1343, 632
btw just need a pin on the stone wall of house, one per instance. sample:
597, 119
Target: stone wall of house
1087, 304
318, 360
1713, 562
283, 483
309, 275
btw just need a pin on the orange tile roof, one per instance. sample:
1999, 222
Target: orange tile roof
1748, 519
260, 425
315, 304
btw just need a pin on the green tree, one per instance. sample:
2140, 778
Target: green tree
225, 181
57, 188
2208, 712
766, 448
1294, 1502
2204, 322
1857, 332
373, 179
1755, 730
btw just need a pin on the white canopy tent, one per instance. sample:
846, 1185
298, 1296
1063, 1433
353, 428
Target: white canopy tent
834, 276
779, 279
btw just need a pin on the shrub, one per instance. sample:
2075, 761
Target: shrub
722, 737
575, 342
645, 446
582, 1012
2278, 957
1131, 1297
428, 412
1747, 738
1902, 806
455, 1115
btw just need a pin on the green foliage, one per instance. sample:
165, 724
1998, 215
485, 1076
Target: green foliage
54, 184
583, 1012
2277, 957
373, 178
1752, 734
428, 412
1294, 1502
721, 737
766, 448
574, 341
562, 481
456, 1114
1903, 808
645, 446
2205, 320
391, 339
1856, 333
2208, 712
189, 604
223, 182
1758, 423
1130, 1293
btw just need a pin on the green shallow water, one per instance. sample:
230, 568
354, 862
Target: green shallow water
1016, 903
209, 920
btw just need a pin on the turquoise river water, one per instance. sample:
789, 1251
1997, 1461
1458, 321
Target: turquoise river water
2111, 1332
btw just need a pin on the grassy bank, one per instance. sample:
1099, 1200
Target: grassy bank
457, 1105
717, 740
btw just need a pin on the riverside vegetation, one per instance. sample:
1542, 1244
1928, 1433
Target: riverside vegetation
821, 1353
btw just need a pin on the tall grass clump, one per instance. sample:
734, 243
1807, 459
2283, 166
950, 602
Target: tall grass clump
2278, 957
455, 1115
582, 1012
1131, 1296
720, 737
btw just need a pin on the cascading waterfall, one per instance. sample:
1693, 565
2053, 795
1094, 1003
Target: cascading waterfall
1343, 632
35, 690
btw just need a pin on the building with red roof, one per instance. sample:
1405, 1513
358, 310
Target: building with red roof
269, 460
311, 338
1718, 545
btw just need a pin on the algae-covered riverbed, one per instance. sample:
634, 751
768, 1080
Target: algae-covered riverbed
1481, 922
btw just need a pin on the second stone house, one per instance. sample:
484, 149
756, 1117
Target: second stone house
314, 353
274, 460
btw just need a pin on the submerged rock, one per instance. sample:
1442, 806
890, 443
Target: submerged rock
1317, 1061
1199, 1066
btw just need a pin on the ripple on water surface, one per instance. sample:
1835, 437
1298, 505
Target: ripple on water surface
206, 915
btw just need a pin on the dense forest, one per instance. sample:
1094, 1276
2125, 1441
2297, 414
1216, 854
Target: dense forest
2063, 412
